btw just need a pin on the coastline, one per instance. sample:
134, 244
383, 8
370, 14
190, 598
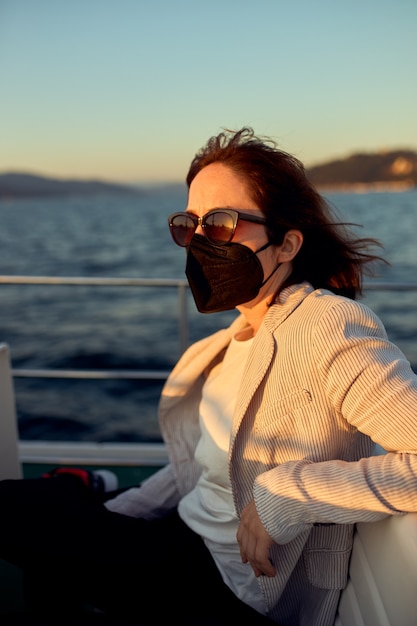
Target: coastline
373, 187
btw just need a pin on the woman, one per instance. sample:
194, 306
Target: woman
270, 424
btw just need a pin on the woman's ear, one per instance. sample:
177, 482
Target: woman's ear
292, 242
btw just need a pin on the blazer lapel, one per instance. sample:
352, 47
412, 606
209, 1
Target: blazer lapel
263, 350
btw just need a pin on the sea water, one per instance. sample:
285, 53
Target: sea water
90, 327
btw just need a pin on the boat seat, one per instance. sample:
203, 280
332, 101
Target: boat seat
9, 456
382, 586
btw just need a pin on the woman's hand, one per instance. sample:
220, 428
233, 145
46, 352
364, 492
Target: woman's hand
254, 542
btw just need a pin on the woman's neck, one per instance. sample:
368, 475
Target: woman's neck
254, 315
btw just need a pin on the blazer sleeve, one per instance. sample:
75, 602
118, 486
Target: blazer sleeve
154, 498
370, 383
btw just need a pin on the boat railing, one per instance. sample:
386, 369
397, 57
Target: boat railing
181, 286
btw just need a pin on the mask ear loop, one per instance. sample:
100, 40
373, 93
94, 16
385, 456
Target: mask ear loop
271, 274
264, 247
275, 269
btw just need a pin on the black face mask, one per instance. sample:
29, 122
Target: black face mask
222, 277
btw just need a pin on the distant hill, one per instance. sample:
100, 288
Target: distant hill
396, 169
19, 185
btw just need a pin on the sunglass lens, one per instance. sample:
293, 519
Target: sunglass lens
182, 229
219, 227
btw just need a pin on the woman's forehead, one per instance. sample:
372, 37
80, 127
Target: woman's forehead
217, 185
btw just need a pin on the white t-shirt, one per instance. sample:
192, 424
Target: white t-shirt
209, 508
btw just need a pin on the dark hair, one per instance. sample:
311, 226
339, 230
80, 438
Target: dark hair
331, 256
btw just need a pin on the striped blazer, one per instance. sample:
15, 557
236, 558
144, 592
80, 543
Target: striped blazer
321, 384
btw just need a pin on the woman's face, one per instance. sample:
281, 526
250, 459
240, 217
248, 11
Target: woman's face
217, 186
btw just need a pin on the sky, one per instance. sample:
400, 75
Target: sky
129, 90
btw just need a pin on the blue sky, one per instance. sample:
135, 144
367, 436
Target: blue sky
128, 90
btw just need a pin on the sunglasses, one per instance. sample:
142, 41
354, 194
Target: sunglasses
219, 225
